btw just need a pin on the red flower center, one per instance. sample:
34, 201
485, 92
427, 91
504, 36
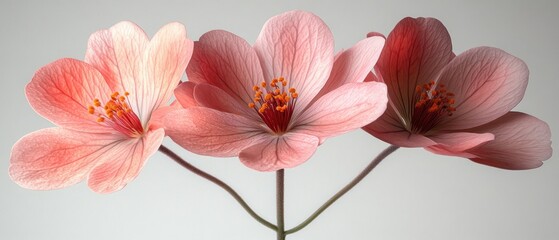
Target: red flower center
117, 114
274, 103
433, 103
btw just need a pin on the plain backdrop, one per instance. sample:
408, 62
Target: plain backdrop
413, 194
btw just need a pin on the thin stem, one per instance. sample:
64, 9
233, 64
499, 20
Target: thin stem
279, 204
346, 189
218, 182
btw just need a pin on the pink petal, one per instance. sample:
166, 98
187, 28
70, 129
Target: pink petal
521, 142
124, 162
354, 64
375, 34
209, 96
210, 132
298, 46
414, 53
159, 115
454, 144
117, 53
228, 62
63, 90
55, 158
487, 82
165, 62
399, 137
351, 106
279, 151
184, 94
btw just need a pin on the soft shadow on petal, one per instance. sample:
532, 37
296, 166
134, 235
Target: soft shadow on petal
210, 132
298, 46
124, 162
454, 144
487, 82
347, 108
159, 115
63, 90
226, 61
54, 158
165, 60
279, 151
414, 53
209, 96
401, 138
184, 94
521, 142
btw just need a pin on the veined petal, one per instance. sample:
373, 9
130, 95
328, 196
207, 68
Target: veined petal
184, 94
350, 106
401, 138
487, 83
354, 64
159, 115
165, 61
414, 53
210, 132
279, 151
298, 46
456, 143
226, 61
124, 162
117, 53
63, 90
55, 158
521, 142
209, 96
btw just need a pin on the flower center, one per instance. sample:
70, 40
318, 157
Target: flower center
433, 103
117, 114
274, 103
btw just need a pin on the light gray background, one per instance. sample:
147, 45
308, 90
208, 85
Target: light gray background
412, 195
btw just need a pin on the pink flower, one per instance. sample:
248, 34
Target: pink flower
274, 103
457, 105
104, 109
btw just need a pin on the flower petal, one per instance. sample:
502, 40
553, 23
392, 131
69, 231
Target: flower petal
279, 151
165, 61
63, 90
350, 106
454, 144
209, 96
124, 162
487, 83
228, 62
354, 64
521, 142
159, 115
117, 53
210, 132
184, 94
414, 53
55, 158
298, 46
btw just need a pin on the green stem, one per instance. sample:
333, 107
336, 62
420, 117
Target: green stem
279, 204
218, 182
346, 189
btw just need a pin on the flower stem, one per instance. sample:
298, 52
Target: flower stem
346, 189
218, 182
279, 204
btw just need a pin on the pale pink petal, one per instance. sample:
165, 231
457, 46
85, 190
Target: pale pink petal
228, 62
454, 144
209, 96
159, 115
354, 64
117, 53
487, 83
347, 108
372, 77
124, 162
209, 132
298, 46
55, 158
521, 142
165, 61
184, 94
63, 90
400, 137
279, 151
414, 53
375, 34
